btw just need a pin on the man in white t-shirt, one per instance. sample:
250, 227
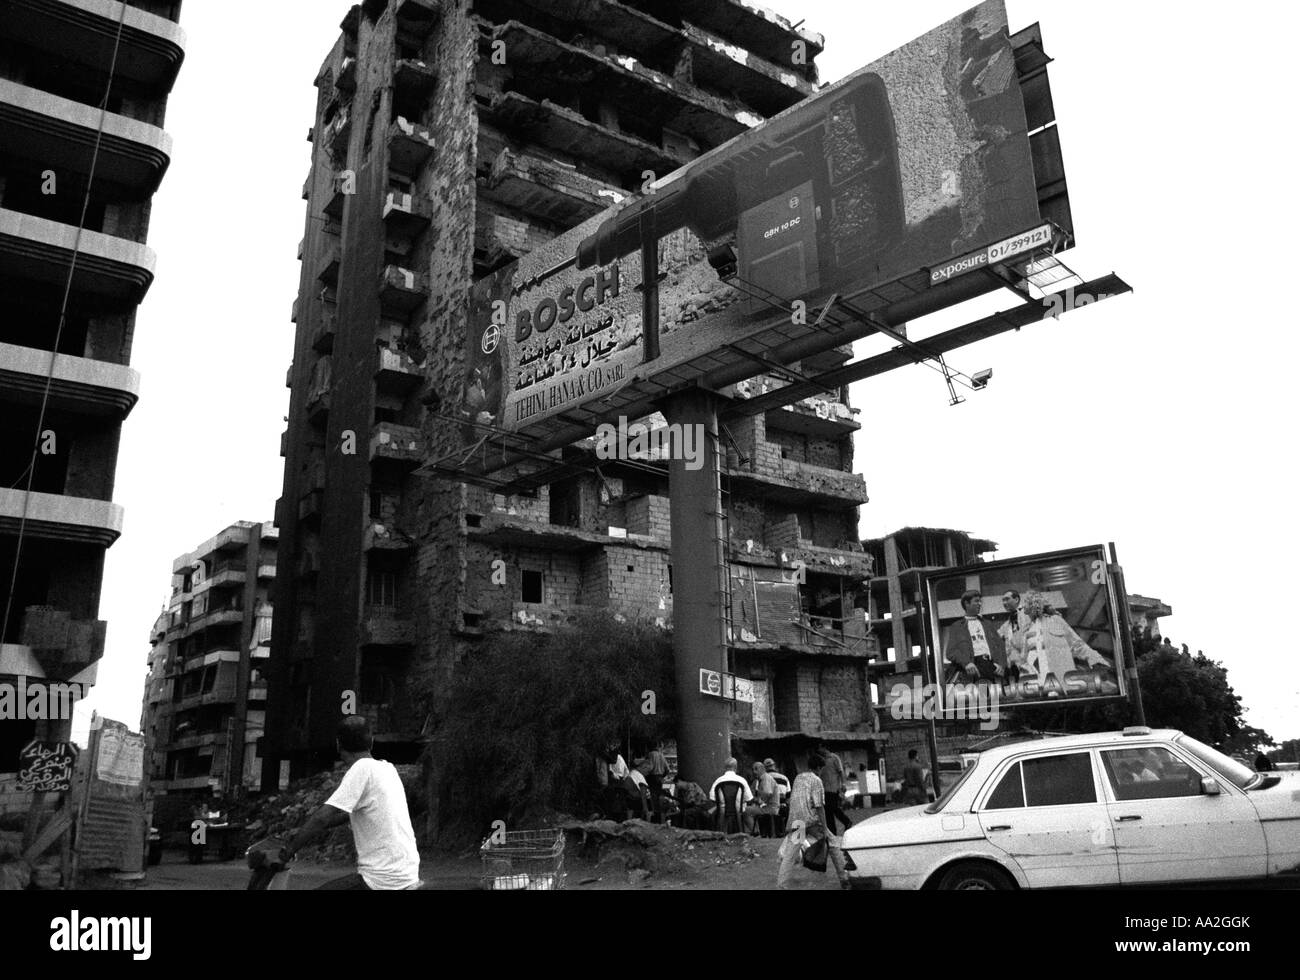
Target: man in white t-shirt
744, 793
371, 797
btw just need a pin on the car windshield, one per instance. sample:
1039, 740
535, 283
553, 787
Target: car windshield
942, 801
1230, 769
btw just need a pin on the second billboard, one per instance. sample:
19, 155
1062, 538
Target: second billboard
1039, 630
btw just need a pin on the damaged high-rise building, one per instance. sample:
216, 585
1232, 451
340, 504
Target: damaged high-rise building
450, 139
84, 86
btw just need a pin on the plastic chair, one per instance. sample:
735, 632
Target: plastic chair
727, 796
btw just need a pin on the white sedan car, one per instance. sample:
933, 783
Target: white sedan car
1136, 807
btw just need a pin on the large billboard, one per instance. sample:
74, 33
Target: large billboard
1040, 630
911, 163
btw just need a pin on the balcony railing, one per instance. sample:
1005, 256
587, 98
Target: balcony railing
406, 215
414, 76
57, 517
77, 384
401, 291
401, 445
396, 372
409, 146
82, 32
338, 132
132, 154
40, 250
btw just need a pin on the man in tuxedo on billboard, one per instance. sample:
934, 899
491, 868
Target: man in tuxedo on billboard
972, 649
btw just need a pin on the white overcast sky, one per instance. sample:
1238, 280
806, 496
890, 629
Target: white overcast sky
1175, 121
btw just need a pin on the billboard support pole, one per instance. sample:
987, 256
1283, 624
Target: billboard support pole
699, 564
650, 285
1126, 639
926, 667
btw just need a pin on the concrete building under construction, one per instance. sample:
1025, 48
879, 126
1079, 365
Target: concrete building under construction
83, 90
205, 695
450, 139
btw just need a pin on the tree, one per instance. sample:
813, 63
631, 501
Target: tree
527, 713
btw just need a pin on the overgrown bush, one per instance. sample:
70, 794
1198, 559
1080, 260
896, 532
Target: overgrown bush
527, 712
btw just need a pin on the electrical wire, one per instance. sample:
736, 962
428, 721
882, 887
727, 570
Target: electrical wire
63, 319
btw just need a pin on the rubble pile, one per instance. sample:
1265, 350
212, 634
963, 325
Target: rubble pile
283, 813
645, 849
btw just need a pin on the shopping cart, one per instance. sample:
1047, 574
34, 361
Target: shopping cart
523, 860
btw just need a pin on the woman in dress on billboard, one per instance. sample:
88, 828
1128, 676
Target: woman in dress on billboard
1047, 644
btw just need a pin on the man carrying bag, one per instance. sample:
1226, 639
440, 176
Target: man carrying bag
808, 841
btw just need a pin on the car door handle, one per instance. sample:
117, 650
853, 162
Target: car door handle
1126, 819
1001, 826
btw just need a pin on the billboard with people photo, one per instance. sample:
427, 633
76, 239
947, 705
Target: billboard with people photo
1038, 630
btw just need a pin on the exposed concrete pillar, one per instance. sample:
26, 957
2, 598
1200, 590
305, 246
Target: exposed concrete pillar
699, 567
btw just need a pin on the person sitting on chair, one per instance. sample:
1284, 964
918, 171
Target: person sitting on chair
765, 805
722, 793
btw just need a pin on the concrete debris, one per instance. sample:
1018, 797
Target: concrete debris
655, 849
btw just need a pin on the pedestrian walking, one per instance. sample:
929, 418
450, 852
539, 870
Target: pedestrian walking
808, 823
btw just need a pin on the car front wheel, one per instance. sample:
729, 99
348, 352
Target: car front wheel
974, 876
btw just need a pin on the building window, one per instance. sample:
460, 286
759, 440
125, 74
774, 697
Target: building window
381, 589
532, 586
376, 505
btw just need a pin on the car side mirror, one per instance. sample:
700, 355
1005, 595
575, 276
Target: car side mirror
1210, 786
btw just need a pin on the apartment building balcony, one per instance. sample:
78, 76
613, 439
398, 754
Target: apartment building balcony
794, 484
322, 338
546, 189
384, 626
337, 133
293, 315
257, 691
406, 215
757, 29
556, 127
521, 532
318, 405
409, 146
395, 372
222, 617
816, 417
62, 645
227, 573
411, 76
418, 18
538, 59
387, 539
84, 32
726, 65
329, 269
60, 134
201, 740
56, 517
284, 444
346, 81
78, 385
41, 250
310, 507
402, 446
401, 291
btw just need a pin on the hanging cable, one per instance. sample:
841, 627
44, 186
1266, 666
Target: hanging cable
63, 317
